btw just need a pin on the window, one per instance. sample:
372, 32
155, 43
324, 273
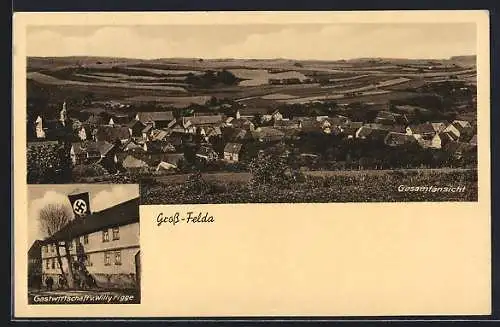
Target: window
45, 249
47, 264
87, 261
116, 233
107, 259
85, 239
105, 235
70, 244
118, 258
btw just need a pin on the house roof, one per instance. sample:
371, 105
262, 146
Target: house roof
150, 159
132, 145
35, 249
213, 131
159, 135
146, 117
112, 133
425, 128
449, 135
122, 214
131, 161
135, 122
118, 114
438, 126
204, 151
147, 128
373, 133
461, 123
202, 120
232, 147
286, 123
241, 122
102, 147
267, 132
473, 140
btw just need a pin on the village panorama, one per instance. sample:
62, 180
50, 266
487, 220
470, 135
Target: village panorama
254, 131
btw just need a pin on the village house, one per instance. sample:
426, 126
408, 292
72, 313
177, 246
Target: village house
133, 145
158, 135
315, 126
374, 134
95, 120
170, 161
158, 147
135, 128
268, 134
147, 131
465, 129
275, 115
399, 139
107, 242
232, 152
240, 123
388, 118
434, 143
421, 131
91, 152
450, 133
438, 126
130, 162
159, 119
212, 133
197, 124
112, 134
207, 153
350, 129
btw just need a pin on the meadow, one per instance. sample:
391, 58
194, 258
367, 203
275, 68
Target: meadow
359, 186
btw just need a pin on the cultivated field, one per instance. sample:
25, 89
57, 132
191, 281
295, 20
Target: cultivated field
167, 81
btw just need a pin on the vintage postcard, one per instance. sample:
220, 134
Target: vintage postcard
84, 244
365, 134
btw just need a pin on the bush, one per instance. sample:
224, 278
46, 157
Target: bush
195, 184
91, 170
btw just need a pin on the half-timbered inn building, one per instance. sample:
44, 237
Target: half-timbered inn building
103, 248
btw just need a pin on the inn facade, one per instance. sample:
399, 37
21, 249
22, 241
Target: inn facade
106, 243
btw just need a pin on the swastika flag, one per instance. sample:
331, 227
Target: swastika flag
80, 204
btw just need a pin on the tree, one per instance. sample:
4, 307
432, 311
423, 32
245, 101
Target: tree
49, 163
270, 169
52, 218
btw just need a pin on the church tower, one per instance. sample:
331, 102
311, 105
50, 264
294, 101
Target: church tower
63, 116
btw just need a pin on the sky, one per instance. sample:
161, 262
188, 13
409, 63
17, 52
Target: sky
101, 197
257, 41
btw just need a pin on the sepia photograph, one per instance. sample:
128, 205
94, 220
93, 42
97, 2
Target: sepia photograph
255, 113
283, 164
84, 244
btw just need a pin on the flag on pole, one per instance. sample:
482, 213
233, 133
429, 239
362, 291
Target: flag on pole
80, 203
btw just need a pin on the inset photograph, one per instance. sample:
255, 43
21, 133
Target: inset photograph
84, 244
